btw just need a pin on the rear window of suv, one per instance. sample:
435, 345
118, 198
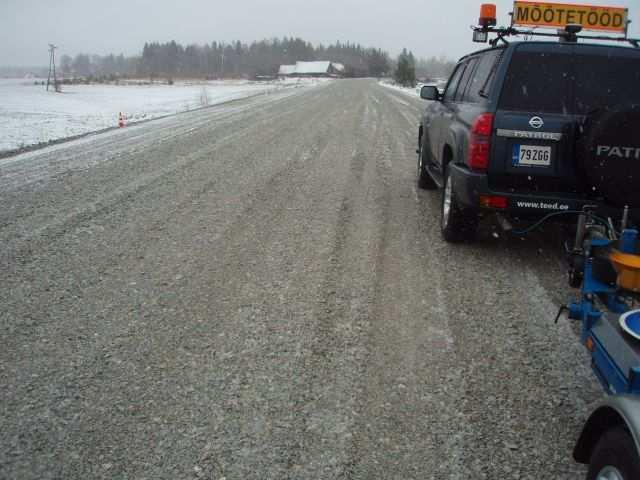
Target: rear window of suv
556, 82
537, 82
606, 82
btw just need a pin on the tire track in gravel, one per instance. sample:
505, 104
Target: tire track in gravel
131, 191
531, 376
106, 263
519, 409
116, 335
176, 131
118, 192
138, 198
275, 452
118, 199
336, 350
282, 306
403, 428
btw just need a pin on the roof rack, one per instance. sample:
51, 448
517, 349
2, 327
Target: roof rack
550, 15
569, 34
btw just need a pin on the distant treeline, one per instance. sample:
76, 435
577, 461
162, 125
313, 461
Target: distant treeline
217, 60
240, 60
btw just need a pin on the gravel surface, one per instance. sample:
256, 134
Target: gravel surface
259, 291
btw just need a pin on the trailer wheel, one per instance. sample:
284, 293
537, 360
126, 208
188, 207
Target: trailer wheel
615, 457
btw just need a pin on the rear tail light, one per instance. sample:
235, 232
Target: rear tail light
480, 142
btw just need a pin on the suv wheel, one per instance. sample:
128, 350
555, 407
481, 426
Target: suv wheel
424, 179
457, 224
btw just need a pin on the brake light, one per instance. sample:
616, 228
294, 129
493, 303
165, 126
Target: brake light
480, 142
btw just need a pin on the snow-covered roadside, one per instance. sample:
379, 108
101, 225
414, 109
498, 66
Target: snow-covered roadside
414, 92
29, 115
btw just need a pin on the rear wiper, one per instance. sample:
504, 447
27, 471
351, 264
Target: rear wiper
492, 73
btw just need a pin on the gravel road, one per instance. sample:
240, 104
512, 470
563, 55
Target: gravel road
259, 291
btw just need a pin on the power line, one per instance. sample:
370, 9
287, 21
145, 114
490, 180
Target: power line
52, 68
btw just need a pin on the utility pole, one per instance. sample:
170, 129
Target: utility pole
222, 66
52, 67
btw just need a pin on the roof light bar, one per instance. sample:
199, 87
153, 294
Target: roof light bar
536, 15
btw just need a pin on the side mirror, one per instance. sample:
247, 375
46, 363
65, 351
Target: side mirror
429, 92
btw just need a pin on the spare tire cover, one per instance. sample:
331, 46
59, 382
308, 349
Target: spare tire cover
609, 155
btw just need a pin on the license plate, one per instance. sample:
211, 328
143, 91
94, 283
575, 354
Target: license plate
531, 156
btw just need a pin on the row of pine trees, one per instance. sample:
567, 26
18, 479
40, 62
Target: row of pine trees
217, 60
235, 60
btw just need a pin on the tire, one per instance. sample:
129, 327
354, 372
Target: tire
425, 181
615, 457
457, 225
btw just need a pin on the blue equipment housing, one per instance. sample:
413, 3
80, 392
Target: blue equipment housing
615, 354
599, 264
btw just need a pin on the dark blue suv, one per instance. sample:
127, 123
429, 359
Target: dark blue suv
531, 128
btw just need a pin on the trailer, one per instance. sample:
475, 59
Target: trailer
605, 264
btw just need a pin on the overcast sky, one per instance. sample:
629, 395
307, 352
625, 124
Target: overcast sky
428, 27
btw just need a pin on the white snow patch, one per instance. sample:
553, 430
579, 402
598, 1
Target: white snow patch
30, 115
414, 92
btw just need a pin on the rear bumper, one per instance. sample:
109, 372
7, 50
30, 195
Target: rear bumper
470, 186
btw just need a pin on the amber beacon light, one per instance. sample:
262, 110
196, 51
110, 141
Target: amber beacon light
487, 15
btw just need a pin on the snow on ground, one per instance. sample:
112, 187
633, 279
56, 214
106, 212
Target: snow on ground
408, 90
30, 115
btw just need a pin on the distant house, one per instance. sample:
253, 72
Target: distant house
312, 69
286, 70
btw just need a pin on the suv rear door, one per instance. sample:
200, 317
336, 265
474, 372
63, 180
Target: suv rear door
534, 125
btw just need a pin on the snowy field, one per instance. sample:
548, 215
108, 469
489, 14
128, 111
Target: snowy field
30, 115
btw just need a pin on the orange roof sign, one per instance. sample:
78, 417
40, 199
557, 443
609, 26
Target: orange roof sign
559, 15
